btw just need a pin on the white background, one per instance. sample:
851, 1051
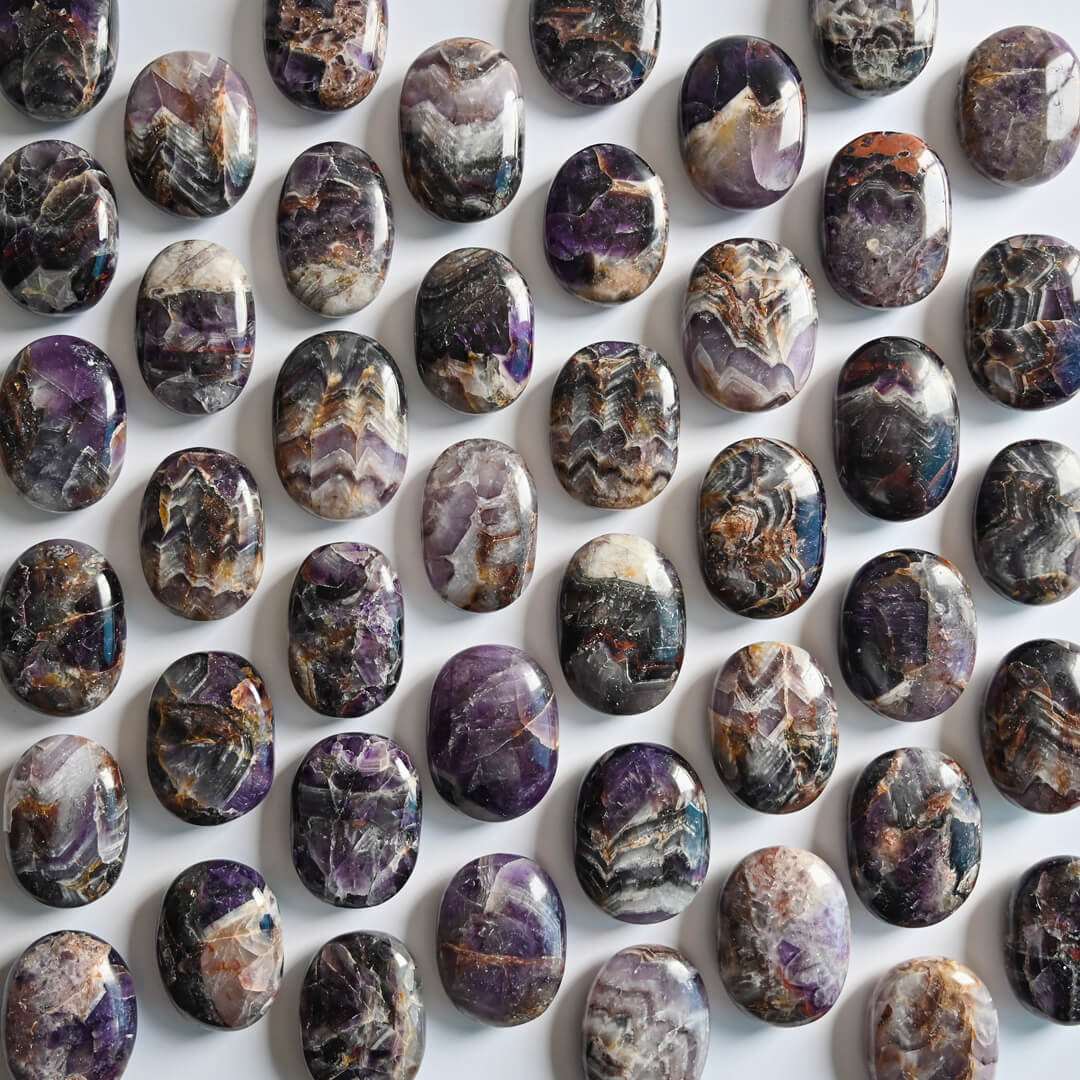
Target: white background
170, 1046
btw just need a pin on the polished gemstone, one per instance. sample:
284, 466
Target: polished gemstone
501, 914
621, 624
762, 528
493, 732
474, 331
615, 422
750, 322
887, 222
478, 525
66, 819
742, 122
641, 833
784, 936
341, 426
606, 225
63, 632
462, 130
202, 533
63, 423
191, 134
907, 635
59, 228
346, 630
219, 944
774, 726
210, 738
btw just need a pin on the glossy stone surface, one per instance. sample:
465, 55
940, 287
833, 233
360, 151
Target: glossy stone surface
195, 327
932, 1019
874, 47
896, 429
595, 53
346, 630
462, 127
219, 944
66, 820
356, 815
501, 912
479, 524
783, 936
641, 833
647, 1015
59, 228
1018, 109
887, 223
749, 325
606, 224
210, 738
907, 635
191, 134
326, 55
69, 1010
474, 331
914, 836
762, 528
63, 630
1022, 334
742, 122
493, 732
63, 423
340, 426
621, 624
362, 1010
773, 719
615, 421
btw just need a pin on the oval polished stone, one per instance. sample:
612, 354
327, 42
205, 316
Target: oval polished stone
63, 631
762, 528
341, 426
1018, 110
647, 1015
191, 134
356, 816
914, 836
501, 912
63, 423
474, 331
69, 1010
493, 732
606, 224
362, 1010
1022, 334
66, 819
742, 122
210, 738
907, 635
773, 719
641, 833
749, 324
479, 524
462, 126
896, 429
346, 630
615, 421
325, 56
887, 223
621, 624
195, 327
59, 228
202, 533
784, 936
